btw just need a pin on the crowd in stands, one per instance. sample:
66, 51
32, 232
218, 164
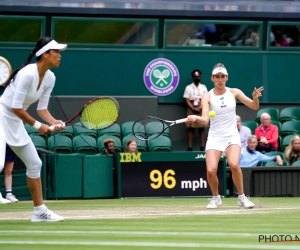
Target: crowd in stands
264, 145
227, 35
285, 36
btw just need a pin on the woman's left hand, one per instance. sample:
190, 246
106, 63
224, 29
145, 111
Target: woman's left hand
257, 92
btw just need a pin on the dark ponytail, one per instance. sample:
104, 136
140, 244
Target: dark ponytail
40, 44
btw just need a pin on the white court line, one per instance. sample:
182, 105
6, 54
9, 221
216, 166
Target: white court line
153, 244
150, 214
24, 232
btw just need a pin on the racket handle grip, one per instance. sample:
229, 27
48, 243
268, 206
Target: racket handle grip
181, 120
61, 125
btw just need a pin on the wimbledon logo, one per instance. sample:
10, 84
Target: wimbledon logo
161, 77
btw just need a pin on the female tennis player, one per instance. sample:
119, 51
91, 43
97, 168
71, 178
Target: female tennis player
31, 83
223, 135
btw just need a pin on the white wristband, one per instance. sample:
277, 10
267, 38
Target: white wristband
37, 125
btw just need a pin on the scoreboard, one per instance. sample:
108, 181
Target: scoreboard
166, 174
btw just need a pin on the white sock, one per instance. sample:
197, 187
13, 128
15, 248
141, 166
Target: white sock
218, 197
40, 209
241, 195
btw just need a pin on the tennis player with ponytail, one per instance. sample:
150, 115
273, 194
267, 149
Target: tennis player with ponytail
28, 84
223, 135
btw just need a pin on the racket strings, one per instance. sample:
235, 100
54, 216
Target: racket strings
100, 113
148, 128
66, 117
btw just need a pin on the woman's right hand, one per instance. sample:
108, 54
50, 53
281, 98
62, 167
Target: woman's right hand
191, 118
45, 130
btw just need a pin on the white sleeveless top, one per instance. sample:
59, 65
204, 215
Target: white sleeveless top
224, 123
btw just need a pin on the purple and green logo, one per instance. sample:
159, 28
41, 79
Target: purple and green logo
161, 77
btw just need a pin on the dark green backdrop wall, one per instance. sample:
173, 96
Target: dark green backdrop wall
119, 72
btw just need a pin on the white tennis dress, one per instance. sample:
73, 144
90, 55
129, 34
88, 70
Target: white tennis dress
21, 93
223, 130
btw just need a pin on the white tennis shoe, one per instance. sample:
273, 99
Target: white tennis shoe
47, 216
11, 198
3, 200
215, 202
244, 201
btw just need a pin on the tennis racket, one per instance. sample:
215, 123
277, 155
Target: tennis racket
98, 113
150, 127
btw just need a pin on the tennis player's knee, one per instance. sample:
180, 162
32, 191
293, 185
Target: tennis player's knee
234, 166
211, 172
34, 170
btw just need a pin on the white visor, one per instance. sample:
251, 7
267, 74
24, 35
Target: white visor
220, 70
52, 45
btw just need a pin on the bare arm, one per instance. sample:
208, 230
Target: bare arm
253, 104
23, 115
47, 117
204, 119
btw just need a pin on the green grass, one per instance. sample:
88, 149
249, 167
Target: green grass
151, 224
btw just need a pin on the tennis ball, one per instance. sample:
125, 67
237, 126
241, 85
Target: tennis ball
212, 114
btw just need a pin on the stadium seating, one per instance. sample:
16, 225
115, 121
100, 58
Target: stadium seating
60, 143
286, 141
160, 144
278, 124
101, 139
273, 112
69, 131
127, 128
296, 164
85, 144
156, 128
30, 130
112, 130
80, 130
141, 145
288, 114
275, 164
252, 125
38, 141
274, 153
290, 127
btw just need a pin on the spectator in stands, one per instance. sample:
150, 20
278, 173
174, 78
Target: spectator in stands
280, 40
225, 40
131, 146
193, 94
8, 168
208, 32
292, 151
253, 38
244, 131
267, 135
109, 145
109, 150
250, 157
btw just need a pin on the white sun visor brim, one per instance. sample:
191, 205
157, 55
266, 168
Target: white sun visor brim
220, 70
51, 45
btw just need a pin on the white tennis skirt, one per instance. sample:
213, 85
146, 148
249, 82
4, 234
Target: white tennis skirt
12, 129
221, 143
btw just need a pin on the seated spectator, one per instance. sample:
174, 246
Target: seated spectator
250, 157
245, 132
292, 151
267, 135
131, 146
109, 145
